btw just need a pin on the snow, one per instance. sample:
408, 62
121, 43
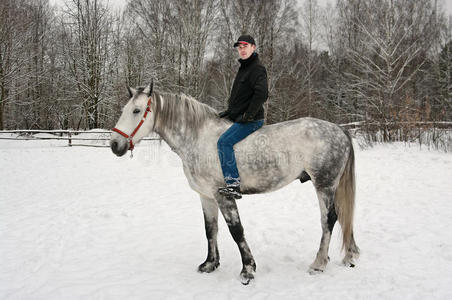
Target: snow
80, 223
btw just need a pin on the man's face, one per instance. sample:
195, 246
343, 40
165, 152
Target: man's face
245, 50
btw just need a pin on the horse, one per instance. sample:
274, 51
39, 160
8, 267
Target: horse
269, 159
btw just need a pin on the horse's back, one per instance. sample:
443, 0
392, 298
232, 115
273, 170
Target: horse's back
303, 135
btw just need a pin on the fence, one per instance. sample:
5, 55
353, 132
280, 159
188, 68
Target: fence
432, 135
436, 135
69, 135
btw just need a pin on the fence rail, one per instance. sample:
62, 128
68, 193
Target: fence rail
434, 133
397, 125
65, 135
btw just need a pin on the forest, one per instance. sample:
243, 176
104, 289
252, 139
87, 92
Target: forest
383, 65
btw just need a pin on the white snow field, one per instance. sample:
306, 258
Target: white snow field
80, 223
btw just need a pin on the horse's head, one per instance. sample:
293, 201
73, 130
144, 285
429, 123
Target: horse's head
136, 121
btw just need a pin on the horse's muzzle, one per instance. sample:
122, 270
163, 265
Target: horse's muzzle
118, 148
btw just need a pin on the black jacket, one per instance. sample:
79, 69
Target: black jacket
249, 91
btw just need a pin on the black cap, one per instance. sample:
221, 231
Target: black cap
245, 39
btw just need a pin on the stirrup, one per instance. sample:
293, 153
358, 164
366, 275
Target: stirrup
231, 192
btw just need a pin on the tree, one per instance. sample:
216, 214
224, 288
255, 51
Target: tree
390, 45
444, 79
15, 32
87, 32
310, 17
177, 40
384, 61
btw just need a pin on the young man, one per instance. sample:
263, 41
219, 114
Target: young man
245, 109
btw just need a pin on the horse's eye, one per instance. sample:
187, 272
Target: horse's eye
136, 111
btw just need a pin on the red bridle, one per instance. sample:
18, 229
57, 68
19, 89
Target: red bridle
130, 137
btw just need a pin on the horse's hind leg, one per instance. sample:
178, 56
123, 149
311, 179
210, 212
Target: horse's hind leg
210, 210
351, 254
228, 208
328, 218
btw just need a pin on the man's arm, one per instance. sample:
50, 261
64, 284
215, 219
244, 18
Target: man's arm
260, 93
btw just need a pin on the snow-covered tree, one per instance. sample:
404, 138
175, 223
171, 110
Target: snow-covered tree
87, 42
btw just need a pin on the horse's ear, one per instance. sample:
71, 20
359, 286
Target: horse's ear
132, 91
148, 89
151, 87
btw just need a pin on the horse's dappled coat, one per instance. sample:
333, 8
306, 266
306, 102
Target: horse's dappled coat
267, 160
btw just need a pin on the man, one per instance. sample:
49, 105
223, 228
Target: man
245, 109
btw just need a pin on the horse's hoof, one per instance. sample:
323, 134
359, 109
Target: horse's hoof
318, 266
247, 274
314, 271
208, 267
350, 264
245, 278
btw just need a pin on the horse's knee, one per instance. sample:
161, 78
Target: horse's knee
230, 213
234, 224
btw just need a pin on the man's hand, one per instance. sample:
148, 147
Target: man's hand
223, 114
244, 118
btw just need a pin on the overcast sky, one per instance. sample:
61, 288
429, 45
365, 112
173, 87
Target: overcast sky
121, 3
447, 4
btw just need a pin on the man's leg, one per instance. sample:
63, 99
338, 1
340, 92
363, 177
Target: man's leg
236, 133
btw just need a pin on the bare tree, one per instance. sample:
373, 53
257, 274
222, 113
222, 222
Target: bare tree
444, 76
391, 47
24, 84
87, 32
176, 34
382, 61
310, 18
15, 32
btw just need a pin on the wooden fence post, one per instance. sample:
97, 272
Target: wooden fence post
69, 135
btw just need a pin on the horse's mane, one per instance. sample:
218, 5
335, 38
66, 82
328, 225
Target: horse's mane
180, 111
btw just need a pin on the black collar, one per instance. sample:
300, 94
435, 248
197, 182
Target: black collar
246, 62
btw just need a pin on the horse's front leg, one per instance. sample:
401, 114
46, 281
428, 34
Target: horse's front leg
210, 210
228, 208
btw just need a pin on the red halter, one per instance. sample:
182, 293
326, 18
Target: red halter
130, 137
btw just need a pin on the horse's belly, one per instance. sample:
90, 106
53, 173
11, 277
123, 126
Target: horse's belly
264, 172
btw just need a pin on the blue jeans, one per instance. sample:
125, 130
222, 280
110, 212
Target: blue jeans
226, 142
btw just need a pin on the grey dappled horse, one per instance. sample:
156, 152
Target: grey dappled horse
272, 157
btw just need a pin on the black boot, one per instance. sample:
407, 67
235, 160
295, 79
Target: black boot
231, 191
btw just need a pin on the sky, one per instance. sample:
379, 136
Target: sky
121, 3
446, 3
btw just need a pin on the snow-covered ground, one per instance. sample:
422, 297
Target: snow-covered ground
80, 223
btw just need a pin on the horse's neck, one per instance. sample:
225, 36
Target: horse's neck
182, 133
174, 139
184, 142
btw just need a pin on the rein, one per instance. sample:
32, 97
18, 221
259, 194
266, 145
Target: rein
130, 137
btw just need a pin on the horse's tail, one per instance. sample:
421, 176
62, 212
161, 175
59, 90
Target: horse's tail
345, 197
